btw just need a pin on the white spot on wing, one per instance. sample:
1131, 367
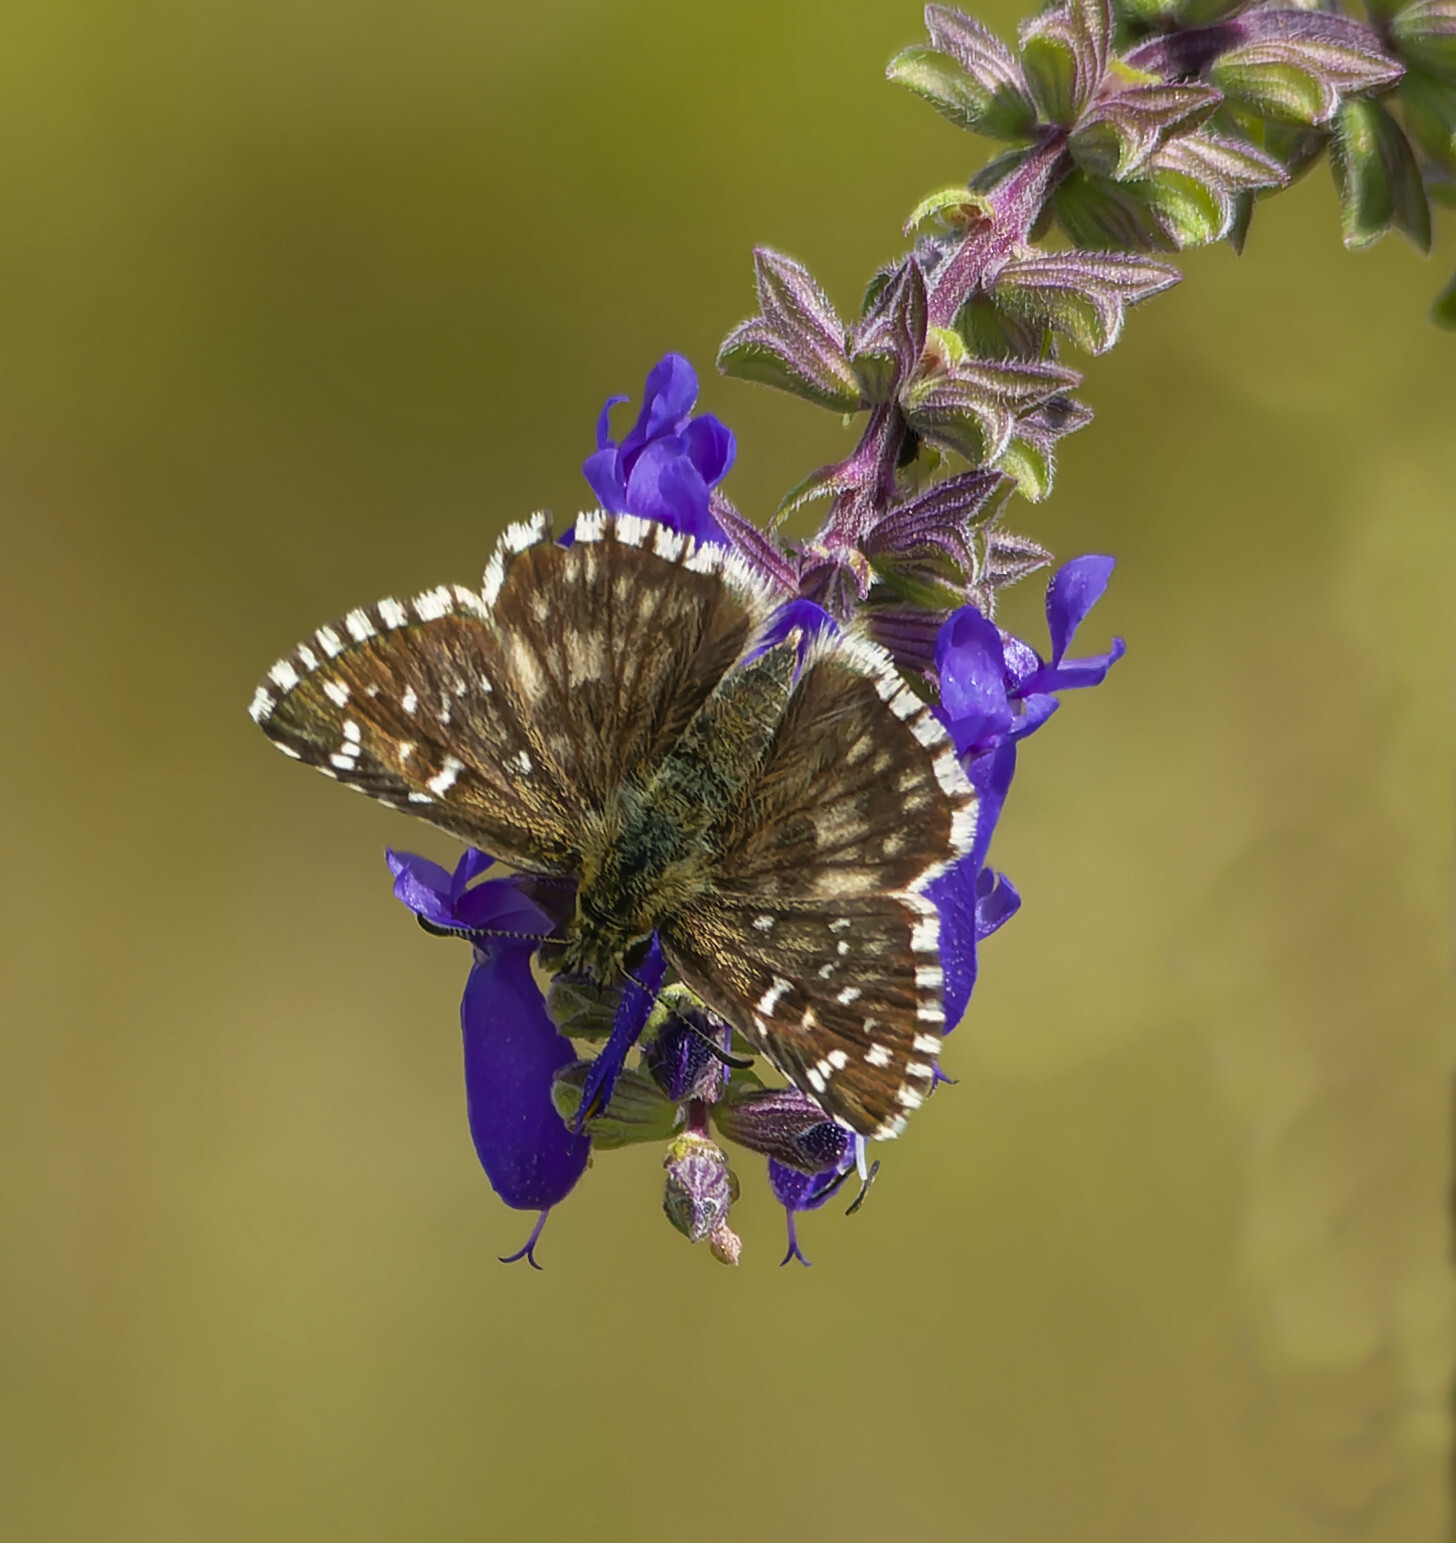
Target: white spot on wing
359, 625
337, 692
848, 995
261, 706
392, 613
441, 784
925, 935
330, 642
878, 1055
283, 675
770, 999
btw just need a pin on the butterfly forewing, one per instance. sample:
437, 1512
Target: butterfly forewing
507, 716
614, 643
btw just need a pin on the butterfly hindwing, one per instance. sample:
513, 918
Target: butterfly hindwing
860, 793
843, 998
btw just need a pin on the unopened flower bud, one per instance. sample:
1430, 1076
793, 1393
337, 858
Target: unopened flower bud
680, 1059
637, 1112
700, 1186
783, 1124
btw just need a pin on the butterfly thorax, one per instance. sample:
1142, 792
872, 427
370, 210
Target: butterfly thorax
650, 854
638, 865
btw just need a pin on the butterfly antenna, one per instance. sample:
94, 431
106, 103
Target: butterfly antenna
733, 1062
437, 931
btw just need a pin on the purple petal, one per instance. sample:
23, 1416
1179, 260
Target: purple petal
632, 1013
1022, 662
996, 902
512, 1052
1073, 674
421, 885
971, 664
797, 1191
602, 472
1035, 710
473, 862
498, 906
809, 618
954, 896
672, 391
604, 423
1075, 589
710, 446
665, 485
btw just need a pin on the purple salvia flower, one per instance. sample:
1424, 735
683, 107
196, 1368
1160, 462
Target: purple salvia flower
666, 466
512, 1048
994, 691
512, 1053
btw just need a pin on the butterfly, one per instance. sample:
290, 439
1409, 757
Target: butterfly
615, 713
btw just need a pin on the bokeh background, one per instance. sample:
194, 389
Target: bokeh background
300, 302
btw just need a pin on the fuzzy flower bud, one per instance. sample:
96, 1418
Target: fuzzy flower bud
679, 1058
784, 1124
700, 1187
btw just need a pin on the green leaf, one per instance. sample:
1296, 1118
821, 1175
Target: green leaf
1426, 33
995, 109
1273, 86
638, 1110
1189, 210
969, 405
1443, 313
994, 331
1082, 294
1032, 467
1428, 106
1050, 66
1106, 216
1377, 177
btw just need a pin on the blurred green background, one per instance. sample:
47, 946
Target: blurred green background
301, 302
